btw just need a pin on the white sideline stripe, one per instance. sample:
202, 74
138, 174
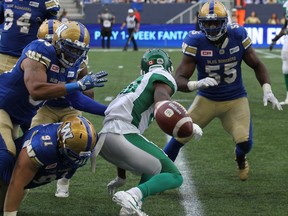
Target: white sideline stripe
268, 54
190, 201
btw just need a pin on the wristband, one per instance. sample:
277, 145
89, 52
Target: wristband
14, 213
71, 87
192, 85
266, 88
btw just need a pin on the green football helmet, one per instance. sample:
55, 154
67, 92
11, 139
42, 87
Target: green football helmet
154, 58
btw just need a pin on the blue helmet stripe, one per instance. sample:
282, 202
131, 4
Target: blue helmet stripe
50, 26
211, 7
82, 33
88, 131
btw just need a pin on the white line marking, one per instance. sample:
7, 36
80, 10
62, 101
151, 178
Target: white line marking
190, 201
268, 54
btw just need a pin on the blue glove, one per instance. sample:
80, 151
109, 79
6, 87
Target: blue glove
92, 80
89, 81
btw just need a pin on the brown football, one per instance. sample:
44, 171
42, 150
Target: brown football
173, 119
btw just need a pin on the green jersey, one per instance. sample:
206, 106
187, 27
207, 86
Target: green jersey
132, 110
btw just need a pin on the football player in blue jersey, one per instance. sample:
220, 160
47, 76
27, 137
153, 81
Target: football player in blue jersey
46, 153
41, 74
21, 20
217, 52
57, 110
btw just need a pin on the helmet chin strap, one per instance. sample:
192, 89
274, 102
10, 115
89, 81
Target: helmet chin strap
64, 62
221, 42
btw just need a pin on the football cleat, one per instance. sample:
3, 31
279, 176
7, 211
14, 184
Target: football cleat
62, 189
155, 58
243, 168
213, 19
285, 102
131, 205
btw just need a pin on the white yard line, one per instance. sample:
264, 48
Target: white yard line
268, 54
190, 201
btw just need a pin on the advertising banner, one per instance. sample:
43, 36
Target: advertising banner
172, 35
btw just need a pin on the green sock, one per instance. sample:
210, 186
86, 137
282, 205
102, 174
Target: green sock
286, 81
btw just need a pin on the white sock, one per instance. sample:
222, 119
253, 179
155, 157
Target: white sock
64, 181
136, 191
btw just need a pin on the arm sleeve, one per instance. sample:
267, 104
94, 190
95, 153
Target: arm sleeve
83, 103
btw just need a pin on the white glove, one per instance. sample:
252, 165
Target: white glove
114, 184
201, 84
197, 132
269, 97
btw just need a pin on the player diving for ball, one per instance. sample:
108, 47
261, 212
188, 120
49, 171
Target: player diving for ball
217, 52
58, 109
39, 75
46, 153
126, 118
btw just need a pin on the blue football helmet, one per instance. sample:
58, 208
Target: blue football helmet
213, 19
77, 139
71, 40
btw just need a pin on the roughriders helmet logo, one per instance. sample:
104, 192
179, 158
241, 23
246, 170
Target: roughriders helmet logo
160, 61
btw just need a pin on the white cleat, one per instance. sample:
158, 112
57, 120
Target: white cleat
285, 102
62, 189
130, 204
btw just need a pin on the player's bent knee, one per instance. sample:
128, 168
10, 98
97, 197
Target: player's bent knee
178, 179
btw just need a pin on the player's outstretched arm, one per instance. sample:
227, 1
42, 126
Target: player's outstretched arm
35, 79
84, 103
89, 81
184, 71
23, 173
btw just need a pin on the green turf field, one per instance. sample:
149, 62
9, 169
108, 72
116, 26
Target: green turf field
211, 186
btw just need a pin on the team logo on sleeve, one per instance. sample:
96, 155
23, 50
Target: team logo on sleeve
55, 68
234, 50
71, 74
34, 4
206, 53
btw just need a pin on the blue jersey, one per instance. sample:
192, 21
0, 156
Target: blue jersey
14, 96
71, 74
21, 22
42, 147
222, 63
